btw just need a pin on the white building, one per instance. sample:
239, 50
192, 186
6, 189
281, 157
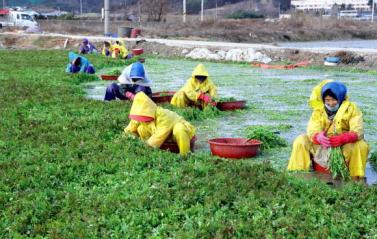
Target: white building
328, 4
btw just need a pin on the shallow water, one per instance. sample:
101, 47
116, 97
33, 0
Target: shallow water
273, 97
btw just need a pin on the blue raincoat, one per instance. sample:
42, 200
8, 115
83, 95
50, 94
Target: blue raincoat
84, 67
135, 70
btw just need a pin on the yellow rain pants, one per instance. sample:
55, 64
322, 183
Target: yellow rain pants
303, 151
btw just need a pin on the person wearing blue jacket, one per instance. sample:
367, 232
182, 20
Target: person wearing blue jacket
86, 47
79, 64
133, 79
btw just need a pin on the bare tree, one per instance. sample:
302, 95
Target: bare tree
155, 9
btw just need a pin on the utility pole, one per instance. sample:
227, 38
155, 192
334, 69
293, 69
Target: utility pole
216, 10
184, 11
139, 7
279, 9
107, 17
372, 10
81, 8
202, 12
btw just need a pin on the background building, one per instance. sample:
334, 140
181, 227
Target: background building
328, 4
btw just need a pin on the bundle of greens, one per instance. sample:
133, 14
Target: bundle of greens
162, 94
337, 164
114, 72
193, 113
373, 157
225, 99
266, 136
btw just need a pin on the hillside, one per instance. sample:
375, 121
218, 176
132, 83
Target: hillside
193, 6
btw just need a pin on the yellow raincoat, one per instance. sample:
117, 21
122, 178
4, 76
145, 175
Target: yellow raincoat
347, 118
123, 52
188, 95
166, 125
315, 101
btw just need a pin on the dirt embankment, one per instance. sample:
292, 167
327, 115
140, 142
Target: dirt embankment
354, 59
299, 28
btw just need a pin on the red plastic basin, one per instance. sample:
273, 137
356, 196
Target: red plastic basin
173, 147
235, 148
231, 105
318, 168
109, 77
163, 96
137, 51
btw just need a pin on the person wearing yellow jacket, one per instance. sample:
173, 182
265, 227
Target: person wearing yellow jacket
199, 90
118, 49
155, 125
335, 122
106, 49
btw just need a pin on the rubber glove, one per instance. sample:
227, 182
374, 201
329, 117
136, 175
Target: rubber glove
322, 139
129, 95
206, 98
344, 138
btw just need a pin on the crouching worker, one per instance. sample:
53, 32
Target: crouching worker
133, 79
106, 49
198, 90
86, 47
155, 125
119, 50
335, 122
79, 64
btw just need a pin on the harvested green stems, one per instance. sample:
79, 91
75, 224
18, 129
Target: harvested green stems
337, 164
269, 138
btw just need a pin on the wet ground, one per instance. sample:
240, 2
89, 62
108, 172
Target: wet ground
274, 97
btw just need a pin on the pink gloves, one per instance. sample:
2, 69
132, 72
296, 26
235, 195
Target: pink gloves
344, 138
206, 98
322, 139
129, 95
335, 141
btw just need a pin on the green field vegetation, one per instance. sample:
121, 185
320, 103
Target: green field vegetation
66, 171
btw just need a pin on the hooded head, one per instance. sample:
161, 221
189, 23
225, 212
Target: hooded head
77, 61
334, 89
137, 71
315, 101
143, 109
200, 73
333, 94
85, 41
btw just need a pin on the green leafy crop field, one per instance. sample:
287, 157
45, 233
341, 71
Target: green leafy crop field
66, 171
